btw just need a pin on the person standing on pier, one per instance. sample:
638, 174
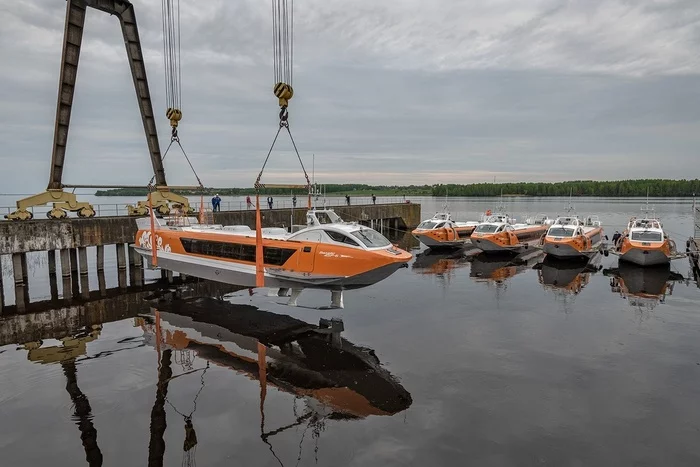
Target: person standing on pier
347, 199
294, 201
216, 203
374, 199
616, 237
248, 202
270, 201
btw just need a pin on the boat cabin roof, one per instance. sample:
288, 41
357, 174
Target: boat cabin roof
645, 224
570, 221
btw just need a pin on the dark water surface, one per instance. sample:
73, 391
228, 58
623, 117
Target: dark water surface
457, 360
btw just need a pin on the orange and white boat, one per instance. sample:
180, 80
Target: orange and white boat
571, 237
333, 256
500, 234
645, 243
440, 231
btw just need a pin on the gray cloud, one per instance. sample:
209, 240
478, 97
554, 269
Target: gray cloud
421, 93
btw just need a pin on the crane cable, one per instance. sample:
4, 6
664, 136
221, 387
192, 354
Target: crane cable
173, 78
283, 66
171, 60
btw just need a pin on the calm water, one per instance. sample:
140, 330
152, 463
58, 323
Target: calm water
455, 360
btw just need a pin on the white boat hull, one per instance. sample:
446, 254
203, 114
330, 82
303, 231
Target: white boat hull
432, 243
564, 251
645, 257
489, 247
244, 275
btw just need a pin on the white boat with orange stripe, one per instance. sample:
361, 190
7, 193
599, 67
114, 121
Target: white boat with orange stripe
500, 234
333, 256
571, 237
645, 243
440, 231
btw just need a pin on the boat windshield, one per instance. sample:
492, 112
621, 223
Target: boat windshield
427, 225
560, 232
486, 228
646, 236
371, 238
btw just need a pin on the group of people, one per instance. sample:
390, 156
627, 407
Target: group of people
270, 202
216, 202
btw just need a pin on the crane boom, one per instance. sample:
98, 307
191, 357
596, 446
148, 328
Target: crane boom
72, 39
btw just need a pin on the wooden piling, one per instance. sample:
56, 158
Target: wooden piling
73, 261
102, 283
66, 275
121, 265
84, 280
65, 263
52, 262
121, 256
19, 262
100, 258
135, 267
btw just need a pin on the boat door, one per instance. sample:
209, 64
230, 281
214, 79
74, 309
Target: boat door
307, 252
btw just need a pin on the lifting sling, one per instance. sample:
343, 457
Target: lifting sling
283, 51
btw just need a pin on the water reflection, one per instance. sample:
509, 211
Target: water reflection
566, 277
643, 287
497, 269
441, 263
330, 378
333, 378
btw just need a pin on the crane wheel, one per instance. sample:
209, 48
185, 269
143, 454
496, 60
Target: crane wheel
20, 215
86, 212
163, 209
137, 211
57, 213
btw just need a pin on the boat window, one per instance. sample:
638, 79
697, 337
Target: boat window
238, 251
560, 232
371, 238
427, 225
486, 228
323, 217
440, 225
646, 236
341, 238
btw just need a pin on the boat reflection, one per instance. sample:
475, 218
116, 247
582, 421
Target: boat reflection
643, 287
336, 380
565, 276
497, 269
440, 263
333, 378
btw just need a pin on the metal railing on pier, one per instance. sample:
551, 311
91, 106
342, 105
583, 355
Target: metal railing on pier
280, 202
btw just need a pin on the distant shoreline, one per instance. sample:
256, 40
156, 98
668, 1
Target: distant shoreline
654, 188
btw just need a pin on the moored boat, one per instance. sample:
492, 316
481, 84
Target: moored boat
440, 231
570, 237
645, 243
333, 256
500, 234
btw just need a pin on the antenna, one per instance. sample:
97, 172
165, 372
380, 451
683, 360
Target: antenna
570, 208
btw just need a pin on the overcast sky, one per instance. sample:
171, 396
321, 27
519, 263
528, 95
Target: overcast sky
385, 92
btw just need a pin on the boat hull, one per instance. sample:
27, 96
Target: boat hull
488, 246
244, 274
645, 257
431, 242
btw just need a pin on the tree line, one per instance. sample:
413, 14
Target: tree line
618, 188
331, 189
